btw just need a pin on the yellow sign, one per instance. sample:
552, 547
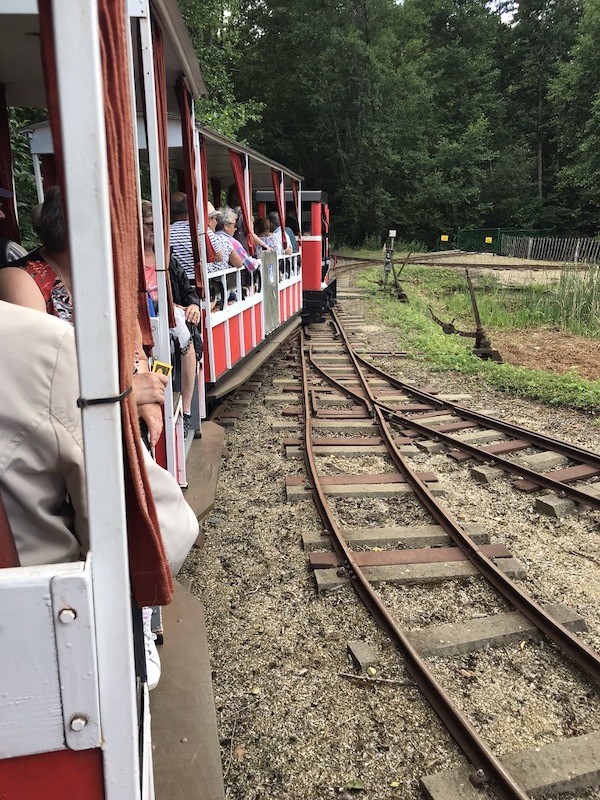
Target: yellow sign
444, 237
488, 240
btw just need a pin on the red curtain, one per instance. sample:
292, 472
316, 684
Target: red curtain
184, 100
237, 165
296, 195
151, 580
160, 83
48, 170
8, 549
277, 178
9, 227
210, 250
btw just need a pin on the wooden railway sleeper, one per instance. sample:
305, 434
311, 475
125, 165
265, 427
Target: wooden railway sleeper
473, 746
541, 479
538, 440
571, 645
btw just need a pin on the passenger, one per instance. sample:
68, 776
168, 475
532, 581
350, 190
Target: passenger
9, 250
276, 228
181, 240
228, 255
262, 226
241, 234
42, 281
42, 480
42, 278
186, 309
226, 222
290, 218
216, 299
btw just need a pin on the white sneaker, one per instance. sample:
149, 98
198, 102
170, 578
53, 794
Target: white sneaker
152, 657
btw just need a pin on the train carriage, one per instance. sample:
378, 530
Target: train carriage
319, 283
265, 305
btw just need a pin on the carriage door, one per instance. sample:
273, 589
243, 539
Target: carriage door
270, 273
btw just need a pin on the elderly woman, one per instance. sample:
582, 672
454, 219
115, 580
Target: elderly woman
226, 253
226, 222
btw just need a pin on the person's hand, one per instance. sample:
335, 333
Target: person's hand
151, 413
288, 250
149, 387
192, 314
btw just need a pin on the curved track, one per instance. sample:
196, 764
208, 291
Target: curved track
373, 394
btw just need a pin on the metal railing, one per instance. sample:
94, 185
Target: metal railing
569, 249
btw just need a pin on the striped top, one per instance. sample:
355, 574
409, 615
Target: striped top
181, 244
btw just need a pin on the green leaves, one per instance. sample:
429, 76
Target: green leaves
422, 115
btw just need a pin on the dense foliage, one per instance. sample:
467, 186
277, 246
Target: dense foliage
428, 114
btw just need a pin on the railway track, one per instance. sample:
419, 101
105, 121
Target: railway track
442, 259
343, 393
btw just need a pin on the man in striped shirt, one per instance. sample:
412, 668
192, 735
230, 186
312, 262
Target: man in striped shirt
181, 241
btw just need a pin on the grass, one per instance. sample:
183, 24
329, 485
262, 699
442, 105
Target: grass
444, 290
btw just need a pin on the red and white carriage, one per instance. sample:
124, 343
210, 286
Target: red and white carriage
119, 80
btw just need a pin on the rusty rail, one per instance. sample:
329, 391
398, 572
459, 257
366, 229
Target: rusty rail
569, 643
487, 766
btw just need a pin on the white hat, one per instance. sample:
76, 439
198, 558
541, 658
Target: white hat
211, 210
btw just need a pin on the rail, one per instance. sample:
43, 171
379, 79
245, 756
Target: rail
488, 769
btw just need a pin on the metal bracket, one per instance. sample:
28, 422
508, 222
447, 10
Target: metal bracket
74, 629
137, 8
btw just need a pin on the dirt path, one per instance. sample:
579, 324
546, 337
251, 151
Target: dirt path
550, 350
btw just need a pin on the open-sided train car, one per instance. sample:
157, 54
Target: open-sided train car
265, 305
318, 281
74, 699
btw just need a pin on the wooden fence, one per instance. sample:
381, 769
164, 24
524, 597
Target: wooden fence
572, 250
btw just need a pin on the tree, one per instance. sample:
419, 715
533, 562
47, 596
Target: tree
543, 32
334, 109
575, 95
454, 47
216, 31
428, 113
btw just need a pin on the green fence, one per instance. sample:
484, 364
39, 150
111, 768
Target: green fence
485, 240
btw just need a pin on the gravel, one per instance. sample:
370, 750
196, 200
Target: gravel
293, 723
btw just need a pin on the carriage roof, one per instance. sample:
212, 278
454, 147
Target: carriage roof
217, 147
21, 64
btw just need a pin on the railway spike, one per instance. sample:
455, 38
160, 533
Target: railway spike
479, 777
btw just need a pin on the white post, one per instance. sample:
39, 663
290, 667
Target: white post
282, 200
80, 87
162, 346
299, 216
203, 256
37, 173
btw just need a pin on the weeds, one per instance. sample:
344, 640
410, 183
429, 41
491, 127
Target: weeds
528, 307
